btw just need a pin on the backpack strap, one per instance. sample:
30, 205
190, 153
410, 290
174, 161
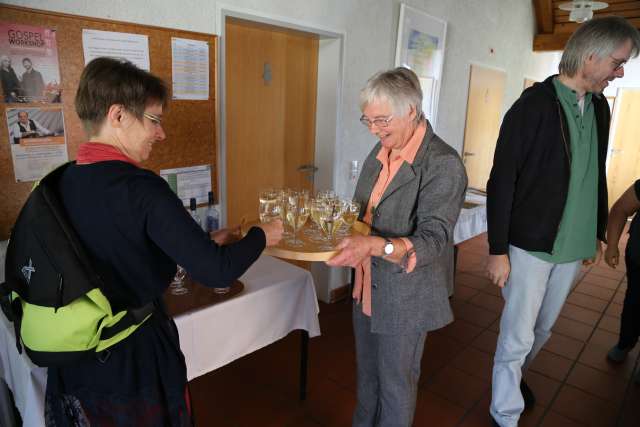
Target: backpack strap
5, 301
12, 310
133, 317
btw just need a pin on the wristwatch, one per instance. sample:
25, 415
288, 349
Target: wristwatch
388, 247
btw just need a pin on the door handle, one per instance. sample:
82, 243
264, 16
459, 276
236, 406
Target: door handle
468, 153
307, 168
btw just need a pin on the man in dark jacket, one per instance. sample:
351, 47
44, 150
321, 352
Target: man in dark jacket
32, 82
547, 199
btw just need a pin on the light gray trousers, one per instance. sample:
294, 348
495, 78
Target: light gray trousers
534, 295
388, 374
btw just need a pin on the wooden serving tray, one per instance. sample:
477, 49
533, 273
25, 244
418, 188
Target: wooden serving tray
310, 251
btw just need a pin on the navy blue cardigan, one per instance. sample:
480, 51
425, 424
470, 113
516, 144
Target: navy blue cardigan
137, 230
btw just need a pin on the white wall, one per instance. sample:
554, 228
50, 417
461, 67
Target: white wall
631, 78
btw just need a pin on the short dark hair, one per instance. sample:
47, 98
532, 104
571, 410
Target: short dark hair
27, 59
106, 82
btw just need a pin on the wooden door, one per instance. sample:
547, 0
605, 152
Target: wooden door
484, 105
271, 83
624, 155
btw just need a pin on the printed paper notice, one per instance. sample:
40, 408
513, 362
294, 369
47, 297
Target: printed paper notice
36, 137
190, 69
131, 47
189, 182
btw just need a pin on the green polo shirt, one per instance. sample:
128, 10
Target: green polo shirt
576, 238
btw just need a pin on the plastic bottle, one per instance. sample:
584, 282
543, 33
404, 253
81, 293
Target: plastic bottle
212, 217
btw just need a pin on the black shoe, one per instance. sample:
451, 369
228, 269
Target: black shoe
527, 395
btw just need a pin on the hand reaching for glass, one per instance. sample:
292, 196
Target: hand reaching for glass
273, 231
226, 236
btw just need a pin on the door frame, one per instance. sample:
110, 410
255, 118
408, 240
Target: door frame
331, 59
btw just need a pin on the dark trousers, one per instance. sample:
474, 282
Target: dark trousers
630, 321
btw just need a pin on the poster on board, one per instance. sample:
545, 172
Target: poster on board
29, 64
37, 141
129, 47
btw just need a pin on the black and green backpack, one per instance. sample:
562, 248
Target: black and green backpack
52, 292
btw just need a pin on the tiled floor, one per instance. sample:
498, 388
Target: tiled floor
573, 382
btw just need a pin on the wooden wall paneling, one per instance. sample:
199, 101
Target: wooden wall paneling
189, 124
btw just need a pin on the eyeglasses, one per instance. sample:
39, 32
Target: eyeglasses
381, 122
154, 119
618, 63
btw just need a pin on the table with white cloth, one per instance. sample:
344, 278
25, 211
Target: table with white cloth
473, 218
278, 298
471, 223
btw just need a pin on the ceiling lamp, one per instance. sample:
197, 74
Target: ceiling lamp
582, 10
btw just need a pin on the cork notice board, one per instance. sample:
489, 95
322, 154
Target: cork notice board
189, 125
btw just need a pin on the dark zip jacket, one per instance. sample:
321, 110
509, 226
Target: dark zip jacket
528, 186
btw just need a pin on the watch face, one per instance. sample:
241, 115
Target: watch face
388, 248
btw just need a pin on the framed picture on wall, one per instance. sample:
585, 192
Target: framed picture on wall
421, 43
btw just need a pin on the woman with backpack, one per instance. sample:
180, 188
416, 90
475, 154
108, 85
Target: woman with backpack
136, 231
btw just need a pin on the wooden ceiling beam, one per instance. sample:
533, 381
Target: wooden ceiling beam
557, 40
544, 16
616, 7
557, 3
629, 14
570, 27
554, 27
550, 42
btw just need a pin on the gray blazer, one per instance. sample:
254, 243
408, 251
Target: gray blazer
422, 202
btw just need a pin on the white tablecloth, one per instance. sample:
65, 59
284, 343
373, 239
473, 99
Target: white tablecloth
472, 221
278, 298
25, 380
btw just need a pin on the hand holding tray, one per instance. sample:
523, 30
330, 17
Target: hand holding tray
310, 251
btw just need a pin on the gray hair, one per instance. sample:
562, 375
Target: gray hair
399, 87
600, 37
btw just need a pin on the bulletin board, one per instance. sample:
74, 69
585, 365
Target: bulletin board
190, 125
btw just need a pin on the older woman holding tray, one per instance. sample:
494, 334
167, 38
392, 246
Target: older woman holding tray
412, 184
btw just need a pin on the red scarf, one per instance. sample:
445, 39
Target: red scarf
93, 152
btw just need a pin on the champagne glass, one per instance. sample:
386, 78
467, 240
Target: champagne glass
283, 204
268, 210
297, 215
177, 284
349, 216
329, 217
315, 233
